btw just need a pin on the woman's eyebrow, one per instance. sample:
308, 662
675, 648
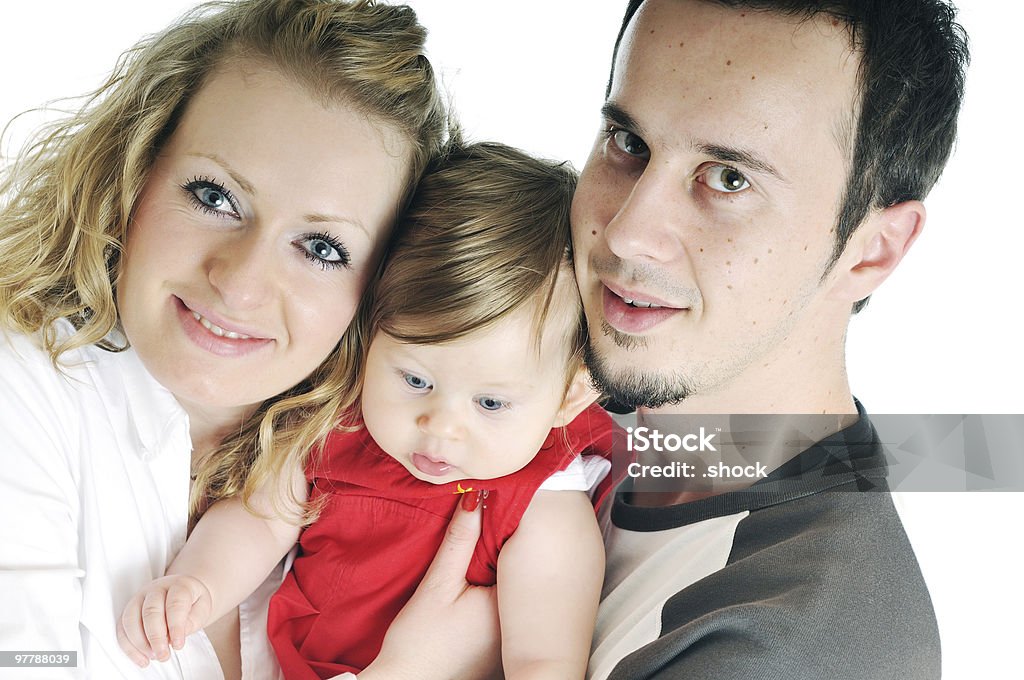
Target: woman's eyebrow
319, 218
239, 179
246, 185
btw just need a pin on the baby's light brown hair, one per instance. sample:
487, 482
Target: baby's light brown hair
486, 233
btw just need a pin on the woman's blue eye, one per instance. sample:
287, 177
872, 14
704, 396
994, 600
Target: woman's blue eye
211, 197
415, 382
491, 404
322, 249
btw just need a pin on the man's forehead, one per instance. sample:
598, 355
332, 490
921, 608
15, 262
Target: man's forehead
734, 72
716, 20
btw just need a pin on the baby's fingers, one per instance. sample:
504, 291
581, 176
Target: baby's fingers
188, 607
130, 635
154, 623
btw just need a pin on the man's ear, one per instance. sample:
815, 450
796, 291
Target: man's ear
580, 395
875, 249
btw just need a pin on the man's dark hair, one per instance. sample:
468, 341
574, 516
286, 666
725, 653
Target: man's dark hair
912, 61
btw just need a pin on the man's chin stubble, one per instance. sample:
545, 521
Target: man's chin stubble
623, 340
631, 387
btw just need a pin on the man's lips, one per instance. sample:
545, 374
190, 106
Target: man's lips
632, 319
644, 299
431, 466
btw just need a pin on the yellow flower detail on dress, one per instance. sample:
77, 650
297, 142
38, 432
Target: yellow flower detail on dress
459, 489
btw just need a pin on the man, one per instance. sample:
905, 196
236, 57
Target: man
758, 176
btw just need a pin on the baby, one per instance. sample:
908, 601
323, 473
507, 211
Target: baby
473, 382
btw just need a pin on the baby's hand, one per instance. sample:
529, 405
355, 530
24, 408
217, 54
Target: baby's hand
165, 611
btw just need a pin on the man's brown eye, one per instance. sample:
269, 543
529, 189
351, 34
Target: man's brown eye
732, 179
631, 144
725, 179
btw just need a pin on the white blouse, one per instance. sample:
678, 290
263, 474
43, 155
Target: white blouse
94, 482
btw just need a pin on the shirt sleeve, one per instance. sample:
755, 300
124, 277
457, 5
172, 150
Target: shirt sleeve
584, 473
40, 571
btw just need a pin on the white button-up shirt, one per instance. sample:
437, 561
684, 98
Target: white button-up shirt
94, 483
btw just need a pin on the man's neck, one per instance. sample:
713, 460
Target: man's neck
802, 401
800, 390
718, 453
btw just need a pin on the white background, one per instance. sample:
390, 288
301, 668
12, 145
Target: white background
942, 336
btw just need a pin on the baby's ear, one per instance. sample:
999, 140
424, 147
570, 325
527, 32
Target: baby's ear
580, 395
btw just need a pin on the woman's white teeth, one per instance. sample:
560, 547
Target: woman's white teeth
641, 305
217, 330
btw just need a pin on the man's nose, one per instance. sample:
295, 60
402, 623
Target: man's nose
649, 225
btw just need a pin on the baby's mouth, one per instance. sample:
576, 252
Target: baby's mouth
429, 465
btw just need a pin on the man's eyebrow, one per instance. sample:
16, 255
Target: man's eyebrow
621, 118
728, 154
241, 181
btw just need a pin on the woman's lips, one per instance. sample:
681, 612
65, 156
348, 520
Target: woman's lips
214, 338
429, 466
629, 319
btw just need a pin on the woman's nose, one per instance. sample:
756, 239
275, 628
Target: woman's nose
241, 270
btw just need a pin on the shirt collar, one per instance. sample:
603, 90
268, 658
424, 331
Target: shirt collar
154, 418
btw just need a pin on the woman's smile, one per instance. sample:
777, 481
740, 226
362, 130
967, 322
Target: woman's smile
225, 340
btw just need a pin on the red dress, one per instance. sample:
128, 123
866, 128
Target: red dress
377, 533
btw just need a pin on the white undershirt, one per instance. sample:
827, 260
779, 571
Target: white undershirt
94, 481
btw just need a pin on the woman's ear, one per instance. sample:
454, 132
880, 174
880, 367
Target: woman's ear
578, 396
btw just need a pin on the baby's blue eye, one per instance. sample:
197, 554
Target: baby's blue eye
415, 382
491, 404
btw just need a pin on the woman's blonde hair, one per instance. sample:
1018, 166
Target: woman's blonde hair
486, 233
70, 194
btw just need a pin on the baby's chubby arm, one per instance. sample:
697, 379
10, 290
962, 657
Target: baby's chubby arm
549, 582
228, 555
